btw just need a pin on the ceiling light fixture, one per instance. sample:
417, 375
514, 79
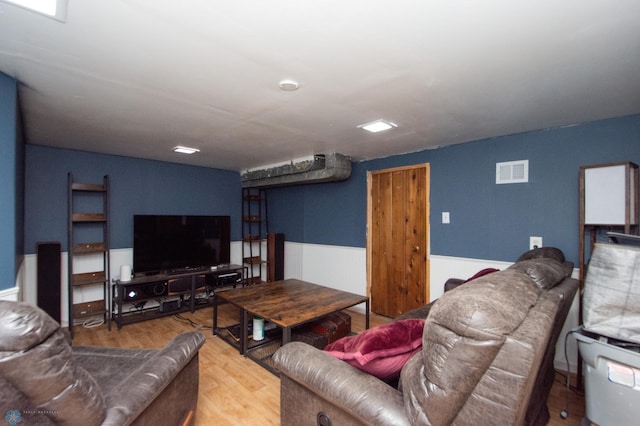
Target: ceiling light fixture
185, 150
289, 85
56, 9
377, 126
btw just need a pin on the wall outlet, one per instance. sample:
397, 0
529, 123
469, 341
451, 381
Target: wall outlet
535, 242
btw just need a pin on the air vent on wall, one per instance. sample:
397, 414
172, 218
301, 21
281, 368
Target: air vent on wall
512, 172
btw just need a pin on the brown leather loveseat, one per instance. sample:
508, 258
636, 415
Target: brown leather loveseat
486, 358
44, 380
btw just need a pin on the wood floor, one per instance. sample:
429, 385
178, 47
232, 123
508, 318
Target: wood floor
235, 390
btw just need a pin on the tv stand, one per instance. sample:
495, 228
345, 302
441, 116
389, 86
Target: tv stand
182, 271
149, 296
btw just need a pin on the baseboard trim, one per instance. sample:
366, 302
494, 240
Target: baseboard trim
10, 294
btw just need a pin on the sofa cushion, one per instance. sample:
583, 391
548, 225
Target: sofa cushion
383, 350
543, 253
42, 369
545, 272
23, 326
462, 335
421, 312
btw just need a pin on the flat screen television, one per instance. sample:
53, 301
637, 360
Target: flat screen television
166, 243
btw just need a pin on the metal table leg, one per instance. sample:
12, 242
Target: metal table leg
215, 313
286, 335
244, 335
366, 318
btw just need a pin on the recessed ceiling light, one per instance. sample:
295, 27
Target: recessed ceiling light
377, 126
289, 85
185, 150
56, 9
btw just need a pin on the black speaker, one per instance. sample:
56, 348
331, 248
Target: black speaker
48, 270
275, 257
133, 292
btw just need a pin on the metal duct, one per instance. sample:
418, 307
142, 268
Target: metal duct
323, 168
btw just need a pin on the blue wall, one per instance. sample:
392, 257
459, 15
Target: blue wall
325, 213
11, 183
488, 221
137, 187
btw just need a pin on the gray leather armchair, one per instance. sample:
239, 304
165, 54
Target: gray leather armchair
488, 347
45, 380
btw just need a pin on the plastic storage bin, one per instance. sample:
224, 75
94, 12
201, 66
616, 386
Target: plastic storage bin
612, 379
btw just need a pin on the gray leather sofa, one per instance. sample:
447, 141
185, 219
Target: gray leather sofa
487, 358
45, 380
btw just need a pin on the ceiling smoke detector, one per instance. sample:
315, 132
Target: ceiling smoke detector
289, 85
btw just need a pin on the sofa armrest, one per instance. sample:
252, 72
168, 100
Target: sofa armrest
420, 312
363, 396
452, 283
129, 399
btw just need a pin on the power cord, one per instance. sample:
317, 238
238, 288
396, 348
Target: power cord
193, 324
564, 414
93, 322
139, 307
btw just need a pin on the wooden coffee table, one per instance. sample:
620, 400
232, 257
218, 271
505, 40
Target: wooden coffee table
287, 304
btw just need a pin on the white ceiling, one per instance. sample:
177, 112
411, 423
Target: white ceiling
137, 77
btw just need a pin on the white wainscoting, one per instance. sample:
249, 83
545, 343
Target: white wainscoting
11, 294
445, 267
339, 267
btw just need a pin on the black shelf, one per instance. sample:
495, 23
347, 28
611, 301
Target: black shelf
231, 335
189, 300
145, 314
254, 233
83, 195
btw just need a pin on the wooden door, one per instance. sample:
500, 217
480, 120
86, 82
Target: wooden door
397, 238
